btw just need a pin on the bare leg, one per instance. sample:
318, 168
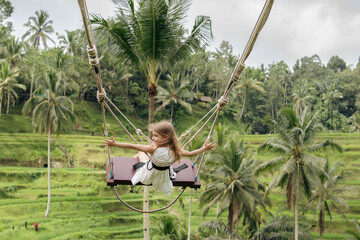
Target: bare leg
142, 157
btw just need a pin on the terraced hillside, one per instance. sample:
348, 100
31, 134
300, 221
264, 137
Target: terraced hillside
82, 206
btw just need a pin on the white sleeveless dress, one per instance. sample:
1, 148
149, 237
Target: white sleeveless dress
160, 180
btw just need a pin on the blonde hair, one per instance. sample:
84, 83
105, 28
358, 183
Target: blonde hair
165, 128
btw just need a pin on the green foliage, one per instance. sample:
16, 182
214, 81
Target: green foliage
167, 228
232, 183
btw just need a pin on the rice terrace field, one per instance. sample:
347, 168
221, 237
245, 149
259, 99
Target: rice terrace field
82, 206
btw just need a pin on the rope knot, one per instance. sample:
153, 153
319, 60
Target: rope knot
138, 131
237, 71
101, 95
185, 134
222, 102
92, 55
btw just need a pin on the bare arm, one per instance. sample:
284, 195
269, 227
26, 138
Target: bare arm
143, 148
207, 146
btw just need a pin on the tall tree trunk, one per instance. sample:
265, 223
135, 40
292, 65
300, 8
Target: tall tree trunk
8, 102
231, 218
172, 112
321, 221
146, 220
331, 116
285, 94
152, 94
127, 89
189, 226
217, 217
33, 72
297, 194
243, 106
0, 106
48, 163
296, 217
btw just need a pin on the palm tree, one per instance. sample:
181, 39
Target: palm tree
248, 83
326, 193
173, 92
279, 228
71, 41
234, 184
49, 108
14, 50
167, 227
149, 35
355, 235
39, 26
220, 134
354, 120
8, 83
280, 72
300, 96
330, 93
297, 166
207, 229
62, 65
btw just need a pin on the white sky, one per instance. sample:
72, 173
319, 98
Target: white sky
295, 28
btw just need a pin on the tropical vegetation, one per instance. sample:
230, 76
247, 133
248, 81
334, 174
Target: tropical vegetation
276, 162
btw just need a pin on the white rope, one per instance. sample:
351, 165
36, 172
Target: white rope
101, 95
148, 211
222, 102
92, 55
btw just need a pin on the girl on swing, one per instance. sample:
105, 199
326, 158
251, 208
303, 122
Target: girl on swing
165, 150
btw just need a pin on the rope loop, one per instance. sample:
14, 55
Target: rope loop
101, 95
92, 55
222, 102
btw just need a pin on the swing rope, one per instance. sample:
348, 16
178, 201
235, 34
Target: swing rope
148, 211
222, 101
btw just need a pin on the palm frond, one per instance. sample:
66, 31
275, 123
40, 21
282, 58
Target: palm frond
328, 144
201, 33
271, 164
290, 119
275, 145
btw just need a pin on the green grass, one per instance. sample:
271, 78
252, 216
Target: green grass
82, 206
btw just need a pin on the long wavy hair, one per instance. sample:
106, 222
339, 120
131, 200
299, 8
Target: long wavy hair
165, 128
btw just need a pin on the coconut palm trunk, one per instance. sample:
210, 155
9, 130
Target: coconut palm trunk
8, 102
33, 72
297, 194
48, 165
321, 222
172, 112
146, 218
146, 222
296, 219
151, 108
243, 106
0, 106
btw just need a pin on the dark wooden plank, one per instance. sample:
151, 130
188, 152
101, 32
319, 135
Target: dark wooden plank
123, 172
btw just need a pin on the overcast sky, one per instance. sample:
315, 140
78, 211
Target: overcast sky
295, 28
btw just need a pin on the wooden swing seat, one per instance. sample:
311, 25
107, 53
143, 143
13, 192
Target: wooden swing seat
123, 171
